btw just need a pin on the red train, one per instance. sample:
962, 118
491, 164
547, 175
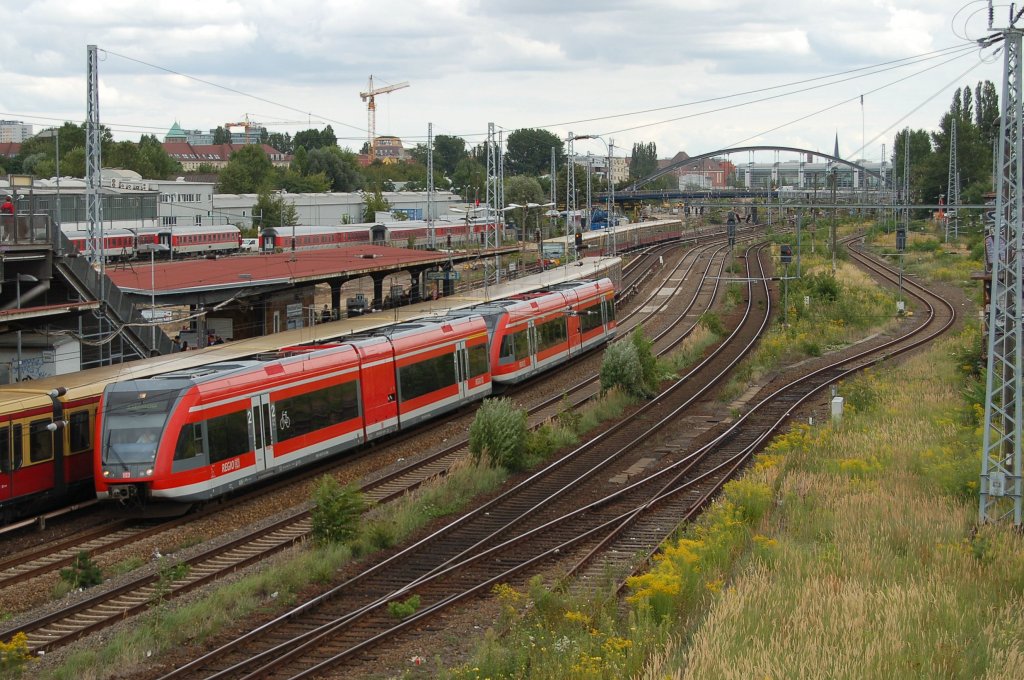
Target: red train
125, 244
195, 435
396, 234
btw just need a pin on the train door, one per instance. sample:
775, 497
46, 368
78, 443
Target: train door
531, 338
462, 368
261, 430
6, 463
164, 238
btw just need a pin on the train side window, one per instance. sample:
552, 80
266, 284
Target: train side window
610, 308
40, 444
17, 446
190, 442
478, 360
590, 318
228, 435
79, 432
5, 449
425, 377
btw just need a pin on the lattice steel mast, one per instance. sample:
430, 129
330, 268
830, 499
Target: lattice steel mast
493, 200
570, 192
93, 182
1001, 454
430, 185
953, 183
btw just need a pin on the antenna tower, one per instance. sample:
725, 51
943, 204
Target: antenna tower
1001, 446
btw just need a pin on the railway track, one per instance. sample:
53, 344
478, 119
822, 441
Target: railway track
94, 613
522, 527
341, 625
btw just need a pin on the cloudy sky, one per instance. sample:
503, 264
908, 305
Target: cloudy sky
689, 75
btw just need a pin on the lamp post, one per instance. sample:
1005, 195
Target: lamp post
152, 249
17, 291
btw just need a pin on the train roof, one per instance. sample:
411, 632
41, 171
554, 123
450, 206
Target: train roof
622, 229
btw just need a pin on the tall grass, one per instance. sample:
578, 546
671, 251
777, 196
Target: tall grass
848, 550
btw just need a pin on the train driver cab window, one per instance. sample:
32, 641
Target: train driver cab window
40, 441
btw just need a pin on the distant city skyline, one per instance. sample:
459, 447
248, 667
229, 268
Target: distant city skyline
692, 76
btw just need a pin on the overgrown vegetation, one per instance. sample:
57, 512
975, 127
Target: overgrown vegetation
631, 367
845, 551
404, 608
337, 511
83, 572
499, 434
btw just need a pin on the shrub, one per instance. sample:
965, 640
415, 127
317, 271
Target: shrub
712, 323
631, 366
400, 610
499, 433
83, 572
337, 511
14, 654
621, 368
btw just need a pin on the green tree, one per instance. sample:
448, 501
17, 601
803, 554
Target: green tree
528, 151
375, 203
470, 179
273, 211
221, 135
644, 160
521, 190
249, 170
297, 183
281, 142
315, 139
340, 167
448, 151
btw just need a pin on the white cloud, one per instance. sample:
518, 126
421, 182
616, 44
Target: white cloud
517, 63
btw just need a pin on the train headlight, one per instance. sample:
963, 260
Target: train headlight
106, 473
149, 472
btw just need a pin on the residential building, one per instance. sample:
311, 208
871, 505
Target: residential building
14, 131
191, 156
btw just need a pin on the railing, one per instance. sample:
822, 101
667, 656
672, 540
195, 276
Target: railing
25, 229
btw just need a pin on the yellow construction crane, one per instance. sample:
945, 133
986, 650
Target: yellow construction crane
371, 112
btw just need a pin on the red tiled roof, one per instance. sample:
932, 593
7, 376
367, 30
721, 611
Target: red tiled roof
10, 149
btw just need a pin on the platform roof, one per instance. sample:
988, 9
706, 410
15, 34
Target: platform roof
227, 277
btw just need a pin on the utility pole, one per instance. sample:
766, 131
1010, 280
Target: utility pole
1000, 490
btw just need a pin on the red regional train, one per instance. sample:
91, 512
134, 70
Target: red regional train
195, 435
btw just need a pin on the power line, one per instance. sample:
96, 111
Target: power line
232, 90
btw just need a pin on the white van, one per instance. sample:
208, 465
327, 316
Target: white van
250, 245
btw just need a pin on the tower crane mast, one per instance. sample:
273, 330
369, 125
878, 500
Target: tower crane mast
371, 112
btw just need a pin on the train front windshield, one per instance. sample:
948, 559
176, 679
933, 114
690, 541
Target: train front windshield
132, 423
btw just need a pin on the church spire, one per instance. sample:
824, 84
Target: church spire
836, 152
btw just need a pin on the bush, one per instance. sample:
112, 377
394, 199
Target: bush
337, 511
499, 433
83, 572
400, 610
621, 368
